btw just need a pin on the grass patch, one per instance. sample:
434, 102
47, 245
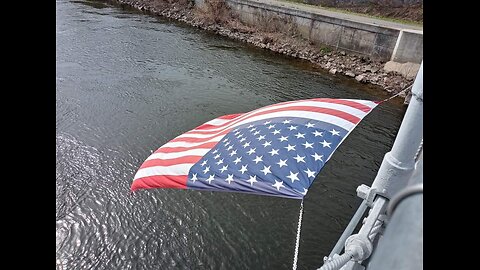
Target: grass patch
396, 20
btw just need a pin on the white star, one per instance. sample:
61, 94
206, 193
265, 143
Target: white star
258, 159
225, 140
300, 135
292, 127
210, 179
261, 137
236, 133
225, 145
278, 184
317, 133
243, 139
234, 152
256, 132
273, 152
220, 161
276, 131
304, 191
293, 176
268, 122
250, 126
230, 148
216, 150
307, 145
229, 178
282, 163
239, 159
266, 170
299, 159
317, 157
252, 180
251, 151
207, 169
216, 156
224, 168
247, 144
326, 144
271, 126
235, 130
265, 144
287, 121
203, 163
310, 173
194, 177
239, 136
334, 132
243, 169
283, 138
290, 147
253, 129
309, 125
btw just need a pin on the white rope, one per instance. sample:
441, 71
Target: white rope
297, 242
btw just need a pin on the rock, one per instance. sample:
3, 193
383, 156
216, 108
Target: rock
328, 65
333, 71
350, 74
325, 57
408, 69
342, 53
360, 78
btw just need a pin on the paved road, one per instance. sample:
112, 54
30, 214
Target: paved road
346, 16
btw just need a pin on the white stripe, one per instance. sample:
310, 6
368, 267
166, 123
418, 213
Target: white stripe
302, 114
217, 122
367, 103
179, 169
191, 144
319, 104
305, 114
192, 152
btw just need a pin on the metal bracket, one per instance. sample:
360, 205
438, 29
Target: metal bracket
366, 193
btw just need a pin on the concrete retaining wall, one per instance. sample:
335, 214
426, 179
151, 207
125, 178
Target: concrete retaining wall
377, 42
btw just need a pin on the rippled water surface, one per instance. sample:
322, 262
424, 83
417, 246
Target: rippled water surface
128, 82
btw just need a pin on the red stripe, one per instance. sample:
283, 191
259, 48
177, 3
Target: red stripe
186, 139
349, 103
353, 104
208, 145
229, 116
160, 181
346, 116
225, 117
169, 162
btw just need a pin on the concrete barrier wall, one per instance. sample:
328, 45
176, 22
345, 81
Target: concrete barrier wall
409, 47
377, 42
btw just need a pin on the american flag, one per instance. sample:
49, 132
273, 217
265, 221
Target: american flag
276, 150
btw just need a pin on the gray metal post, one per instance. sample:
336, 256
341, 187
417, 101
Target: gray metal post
398, 164
349, 229
401, 246
393, 175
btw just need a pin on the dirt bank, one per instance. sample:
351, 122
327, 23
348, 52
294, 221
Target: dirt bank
275, 34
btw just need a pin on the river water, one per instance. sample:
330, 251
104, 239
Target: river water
128, 82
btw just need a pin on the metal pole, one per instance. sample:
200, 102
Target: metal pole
398, 164
349, 229
401, 246
393, 175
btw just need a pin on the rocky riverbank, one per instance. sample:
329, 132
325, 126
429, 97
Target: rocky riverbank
278, 35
